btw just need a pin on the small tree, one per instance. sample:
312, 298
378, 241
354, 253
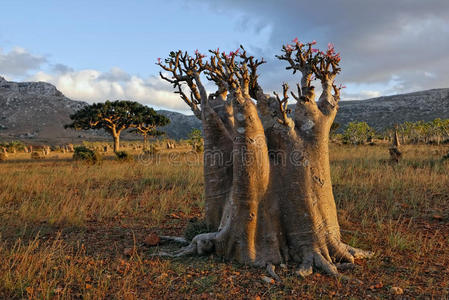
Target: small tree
114, 117
196, 140
147, 126
358, 133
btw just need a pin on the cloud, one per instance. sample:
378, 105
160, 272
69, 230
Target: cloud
363, 94
18, 62
95, 86
377, 39
61, 68
115, 74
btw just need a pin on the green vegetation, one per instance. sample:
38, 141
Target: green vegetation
123, 156
196, 140
85, 154
13, 146
435, 131
116, 116
358, 133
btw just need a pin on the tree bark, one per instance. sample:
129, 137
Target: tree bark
116, 137
268, 189
217, 161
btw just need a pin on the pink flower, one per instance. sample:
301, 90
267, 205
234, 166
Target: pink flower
295, 40
330, 46
289, 47
314, 50
158, 60
237, 51
196, 52
301, 44
218, 50
342, 86
313, 42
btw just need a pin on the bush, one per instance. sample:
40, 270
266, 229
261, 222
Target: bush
123, 156
196, 140
36, 155
446, 157
85, 154
195, 227
358, 133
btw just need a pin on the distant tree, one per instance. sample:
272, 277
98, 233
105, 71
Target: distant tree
334, 127
358, 133
147, 125
196, 140
114, 117
424, 132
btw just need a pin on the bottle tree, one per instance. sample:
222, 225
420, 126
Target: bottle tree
268, 189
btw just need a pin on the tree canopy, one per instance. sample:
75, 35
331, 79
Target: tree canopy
116, 116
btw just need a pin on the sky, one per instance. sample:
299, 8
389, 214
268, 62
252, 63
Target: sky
101, 50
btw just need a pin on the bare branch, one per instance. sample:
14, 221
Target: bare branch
186, 69
283, 104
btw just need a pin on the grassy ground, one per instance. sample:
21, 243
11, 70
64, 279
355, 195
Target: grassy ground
64, 227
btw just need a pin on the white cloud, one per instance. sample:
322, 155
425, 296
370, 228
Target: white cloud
18, 61
95, 86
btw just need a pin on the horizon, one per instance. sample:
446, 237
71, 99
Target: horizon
109, 50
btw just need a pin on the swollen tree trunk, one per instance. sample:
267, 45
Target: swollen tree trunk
218, 164
268, 189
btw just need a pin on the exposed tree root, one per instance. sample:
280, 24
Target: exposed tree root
342, 255
201, 244
272, 272
176, 239
320, 259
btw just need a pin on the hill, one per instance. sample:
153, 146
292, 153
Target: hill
384, 112
37, 112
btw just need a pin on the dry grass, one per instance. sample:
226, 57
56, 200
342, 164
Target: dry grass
64, 226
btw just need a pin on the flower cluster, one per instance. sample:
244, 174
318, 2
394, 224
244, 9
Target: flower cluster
199, 55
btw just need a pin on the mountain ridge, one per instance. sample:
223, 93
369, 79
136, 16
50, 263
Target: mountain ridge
37, 112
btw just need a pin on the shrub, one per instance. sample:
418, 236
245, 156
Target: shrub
3, 156
195, 227
446, 157
123, 156
358, 133
85, 154
196, 140
36, 155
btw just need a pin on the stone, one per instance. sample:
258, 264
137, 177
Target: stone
395, 290
152, 239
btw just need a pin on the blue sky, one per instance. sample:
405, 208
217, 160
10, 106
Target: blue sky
98, 50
